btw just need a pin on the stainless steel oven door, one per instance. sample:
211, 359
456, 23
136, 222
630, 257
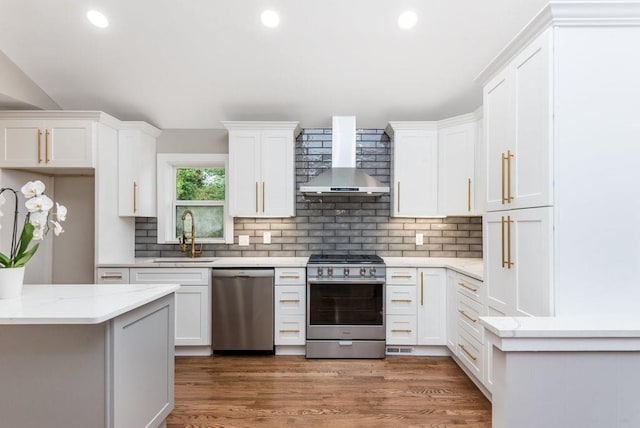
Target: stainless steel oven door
345, 310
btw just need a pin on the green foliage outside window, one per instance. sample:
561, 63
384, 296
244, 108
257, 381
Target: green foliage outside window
200, 184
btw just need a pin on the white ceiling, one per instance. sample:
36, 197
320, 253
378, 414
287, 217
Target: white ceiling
192, 63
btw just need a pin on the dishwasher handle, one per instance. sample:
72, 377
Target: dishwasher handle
242, 273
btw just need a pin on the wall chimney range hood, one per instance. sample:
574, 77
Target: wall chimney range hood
343, 178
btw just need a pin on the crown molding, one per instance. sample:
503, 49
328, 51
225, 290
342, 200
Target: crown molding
234, 125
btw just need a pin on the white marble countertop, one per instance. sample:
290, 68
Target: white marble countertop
78, 304
467, 266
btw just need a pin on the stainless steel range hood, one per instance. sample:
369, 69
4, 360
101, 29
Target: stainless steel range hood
343, 178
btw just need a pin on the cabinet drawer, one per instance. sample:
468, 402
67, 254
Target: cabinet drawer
400, 300
290, 276
402, 276
113, 275
469, 312
182, 276
469, 287
401, 330
470, 353
290, 300
289, 330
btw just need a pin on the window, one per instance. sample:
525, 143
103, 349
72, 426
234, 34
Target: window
196, 183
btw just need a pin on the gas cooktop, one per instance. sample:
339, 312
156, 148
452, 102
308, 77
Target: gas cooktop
345, 259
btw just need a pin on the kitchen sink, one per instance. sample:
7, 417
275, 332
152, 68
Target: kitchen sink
184, 260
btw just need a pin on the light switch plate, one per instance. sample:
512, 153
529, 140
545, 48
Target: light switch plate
243, 240
419, 239
266, 237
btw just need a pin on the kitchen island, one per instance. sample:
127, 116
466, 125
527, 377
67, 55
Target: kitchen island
87, 356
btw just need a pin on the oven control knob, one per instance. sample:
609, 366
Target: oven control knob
330, 271
372, 272
363, 271
320, 273
346, 272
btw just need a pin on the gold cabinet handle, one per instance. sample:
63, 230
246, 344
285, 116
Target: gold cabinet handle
401, 276
289, 300
467, 352
509, 262
39, 145
263, 195
289, 277
421, 288
111, 276
502, 159
463, 285
290, 331
401, 331
46, 146
467, 316
256, 196
398, 196
401, 300
504, 262
509, 157
469, 195
135, 196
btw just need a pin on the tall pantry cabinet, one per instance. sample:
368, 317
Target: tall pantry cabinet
562, 229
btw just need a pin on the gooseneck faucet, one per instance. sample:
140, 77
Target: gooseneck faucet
183, 243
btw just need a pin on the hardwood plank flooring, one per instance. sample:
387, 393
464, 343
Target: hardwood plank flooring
281, 391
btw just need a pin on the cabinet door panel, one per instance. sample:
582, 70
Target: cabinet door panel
192, 316
278, 179
69, 143
456, 177
499, 279
401, 330
19, 143
244, 173
401, 300
431, 307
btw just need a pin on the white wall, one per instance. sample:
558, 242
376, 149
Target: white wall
193, 141
18, 91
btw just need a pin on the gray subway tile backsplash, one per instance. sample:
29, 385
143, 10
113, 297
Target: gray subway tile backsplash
335, 224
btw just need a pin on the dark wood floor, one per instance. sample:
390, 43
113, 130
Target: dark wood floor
270, 391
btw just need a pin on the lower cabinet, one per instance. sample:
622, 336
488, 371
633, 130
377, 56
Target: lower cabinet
290, 307
193, 299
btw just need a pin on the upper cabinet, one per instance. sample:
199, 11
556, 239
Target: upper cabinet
137, 169
31, 139
414, 169
434, 167
262, 168
517, 108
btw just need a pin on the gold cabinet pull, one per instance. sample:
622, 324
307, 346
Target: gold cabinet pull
135, 196
39, 145
263, 195
463, 285
256, 196
289, 300
400, 331
504, 262
401, 276
289, 277
469, 195
421, 288
467, 316
467, 352
401, 300
46, 146
503, 157
509, 262
111, 276
290, 331
398, 196
509, 157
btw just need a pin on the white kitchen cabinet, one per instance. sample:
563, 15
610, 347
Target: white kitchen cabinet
456, 166
30, 140
262, 168
431, 307
517, 109
452, 312
137, 170
115, 275
414, 169
193, 300
401, 329
289, 310
518, 261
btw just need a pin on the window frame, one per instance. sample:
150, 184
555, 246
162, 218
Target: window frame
167, 163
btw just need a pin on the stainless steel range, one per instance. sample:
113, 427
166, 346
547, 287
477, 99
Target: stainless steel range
345, 306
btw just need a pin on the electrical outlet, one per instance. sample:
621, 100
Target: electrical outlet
243, 240
266, 237
419, 239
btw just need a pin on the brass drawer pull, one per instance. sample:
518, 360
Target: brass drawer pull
289, 331
467, 352
39, 149
463, 285
466, 315
289, 277
401, 300
111, 276
401, 331
289, 300
401, 276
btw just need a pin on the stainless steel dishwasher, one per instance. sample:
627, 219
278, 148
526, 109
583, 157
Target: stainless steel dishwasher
242, 310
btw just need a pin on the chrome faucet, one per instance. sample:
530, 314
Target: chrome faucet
183, 242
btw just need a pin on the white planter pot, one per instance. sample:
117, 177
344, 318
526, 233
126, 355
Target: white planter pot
11, 280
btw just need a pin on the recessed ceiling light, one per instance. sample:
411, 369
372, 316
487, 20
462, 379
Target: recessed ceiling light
270, 18
407, 19
97, 19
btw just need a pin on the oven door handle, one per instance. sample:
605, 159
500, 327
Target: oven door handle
347, 281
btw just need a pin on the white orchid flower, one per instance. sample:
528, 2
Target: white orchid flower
32, 189
57, 228
61, 212
38, 233
38, 219
39, 203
